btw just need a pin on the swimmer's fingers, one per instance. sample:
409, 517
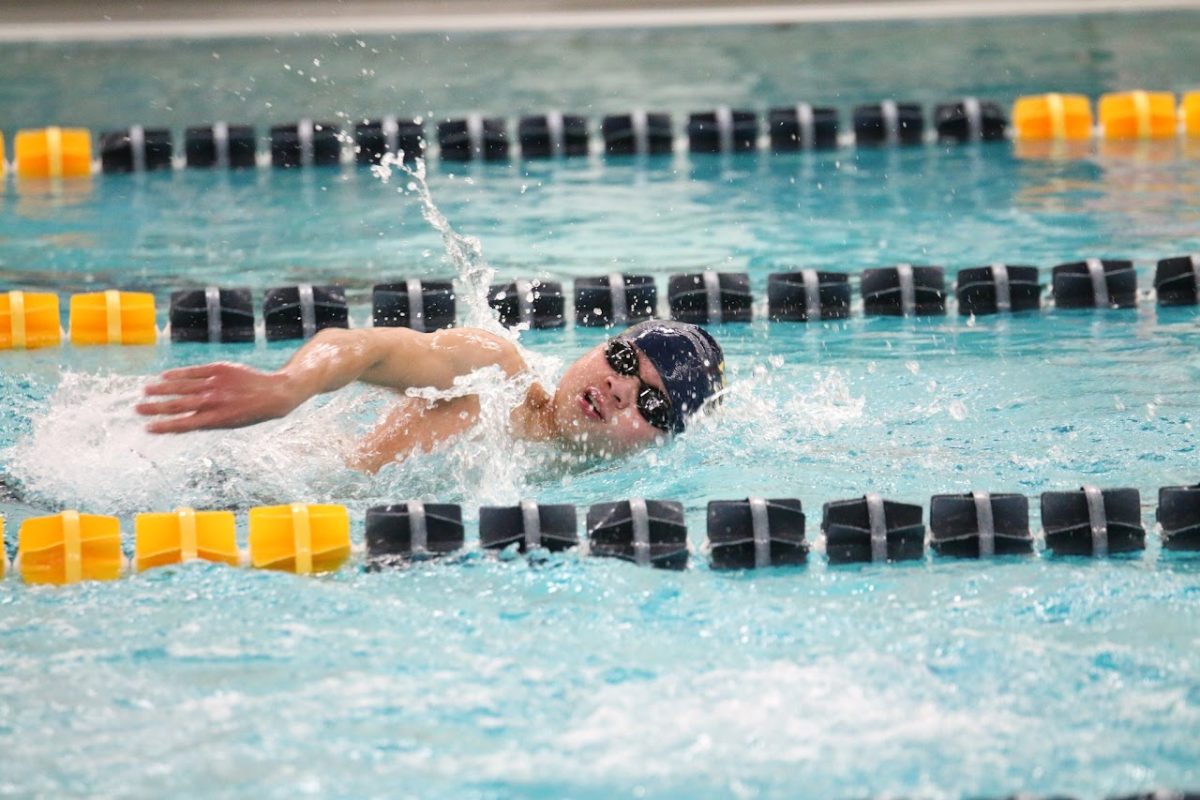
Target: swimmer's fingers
176, 386
188, 404
200, 371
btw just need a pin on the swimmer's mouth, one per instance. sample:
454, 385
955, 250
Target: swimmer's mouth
591, 408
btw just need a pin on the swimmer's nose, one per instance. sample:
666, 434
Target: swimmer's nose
623, 390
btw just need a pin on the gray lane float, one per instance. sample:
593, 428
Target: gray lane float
298, 312
529, 526
1093, 522
904, 291
213, 315
979, 524
870, 528
135, 149
756, 533
402, 532
710, 297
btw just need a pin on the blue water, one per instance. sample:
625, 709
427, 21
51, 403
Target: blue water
491, 678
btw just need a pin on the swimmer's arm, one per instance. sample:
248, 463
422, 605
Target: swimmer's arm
225, 395
396, 358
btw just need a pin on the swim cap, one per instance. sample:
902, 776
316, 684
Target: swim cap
689, 360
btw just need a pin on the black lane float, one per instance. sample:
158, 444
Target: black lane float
135, 149
414, 530
1179, 515
536, 303
422, 305
970, 120
802, 127
615, 300
724, 130
374, 138
213, 315
647, 532
298, 312
903, 291
220, 146
305, 144
979, 524
637, 133
1093, 522
870, 528
553, 134
756, 533
473, 138
889, 123
998, 289
1095, 283
710, 298
529, 526
807, 296
1177, 280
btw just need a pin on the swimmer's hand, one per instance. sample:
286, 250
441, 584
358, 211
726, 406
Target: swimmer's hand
213, 396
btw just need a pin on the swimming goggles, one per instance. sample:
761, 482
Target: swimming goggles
652, 404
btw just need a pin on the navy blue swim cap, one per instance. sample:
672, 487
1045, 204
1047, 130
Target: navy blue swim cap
689, 360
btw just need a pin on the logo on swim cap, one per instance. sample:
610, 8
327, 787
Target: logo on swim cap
688, 359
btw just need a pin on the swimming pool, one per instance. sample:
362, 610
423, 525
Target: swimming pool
592, 678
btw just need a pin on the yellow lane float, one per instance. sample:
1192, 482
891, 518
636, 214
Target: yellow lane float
1138, 115
1190, 111
29, 320
299, 538
69, 547
113, 317
53, 153
185, 535
1053, 116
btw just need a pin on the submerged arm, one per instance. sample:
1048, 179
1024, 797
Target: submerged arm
227, 395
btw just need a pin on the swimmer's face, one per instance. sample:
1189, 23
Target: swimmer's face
596, 408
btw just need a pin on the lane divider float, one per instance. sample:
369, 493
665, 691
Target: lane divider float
113, 317
1062, 117
69, 547
29, 320
1138, 115
748, 533
299, 537
185, 535
56, 152
53, 153
226, 315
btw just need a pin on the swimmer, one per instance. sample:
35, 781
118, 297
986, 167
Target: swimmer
619, 396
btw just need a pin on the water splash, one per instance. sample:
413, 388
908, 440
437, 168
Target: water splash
465, 253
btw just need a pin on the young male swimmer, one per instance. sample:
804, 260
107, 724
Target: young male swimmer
619, 396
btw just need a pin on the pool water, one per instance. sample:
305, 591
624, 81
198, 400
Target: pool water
497, 677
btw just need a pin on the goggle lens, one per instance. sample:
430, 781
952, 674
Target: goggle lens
652, 404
